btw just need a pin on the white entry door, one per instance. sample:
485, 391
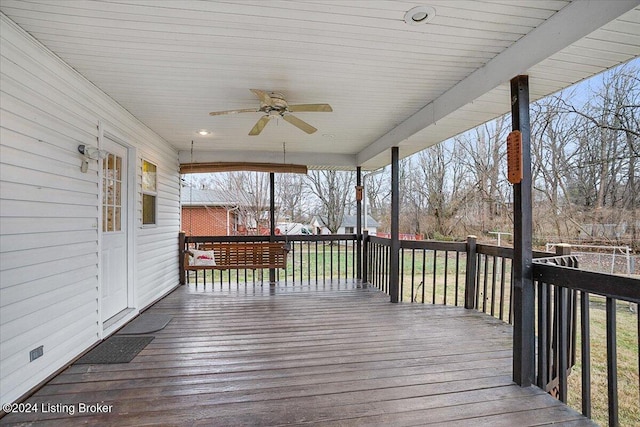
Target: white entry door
115, 286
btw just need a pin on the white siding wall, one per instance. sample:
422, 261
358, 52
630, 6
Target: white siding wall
49, 211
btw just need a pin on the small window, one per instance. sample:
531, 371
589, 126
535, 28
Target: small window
149, 193
348, 230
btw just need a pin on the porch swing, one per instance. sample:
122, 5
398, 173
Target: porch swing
220, 255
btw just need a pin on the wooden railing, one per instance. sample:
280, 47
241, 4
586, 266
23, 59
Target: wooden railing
465, 274
475, 276
310, 259
561, 319
430, 271
482, 279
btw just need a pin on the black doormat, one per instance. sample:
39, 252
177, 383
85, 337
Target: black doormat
116, 349
146, 323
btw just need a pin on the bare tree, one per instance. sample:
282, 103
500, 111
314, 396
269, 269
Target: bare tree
483, 158
378, 194
412, 197
290, 197
433, 164
333, 190
251, 192
553, 144
607, 150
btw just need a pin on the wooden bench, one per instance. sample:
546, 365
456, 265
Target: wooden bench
238, 256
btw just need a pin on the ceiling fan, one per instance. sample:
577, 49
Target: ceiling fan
273, 105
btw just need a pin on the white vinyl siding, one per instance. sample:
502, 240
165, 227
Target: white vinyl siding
49, 212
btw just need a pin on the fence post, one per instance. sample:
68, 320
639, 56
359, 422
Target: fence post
564, 249
181, 245
471, 273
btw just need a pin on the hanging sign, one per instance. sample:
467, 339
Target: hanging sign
514, 157
359, 189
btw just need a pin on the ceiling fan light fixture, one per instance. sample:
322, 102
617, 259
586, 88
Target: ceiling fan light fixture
419, 15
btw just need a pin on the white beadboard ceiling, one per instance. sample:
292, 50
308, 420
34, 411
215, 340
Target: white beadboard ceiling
171, 62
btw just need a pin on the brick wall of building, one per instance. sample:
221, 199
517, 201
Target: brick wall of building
206, 221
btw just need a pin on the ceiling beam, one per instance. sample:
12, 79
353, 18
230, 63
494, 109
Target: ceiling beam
331, 160
186, 168
573, 22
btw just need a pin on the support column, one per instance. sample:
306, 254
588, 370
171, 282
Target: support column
471, 272
359, 189
394, 258
272, 220
365, 258
181, 251
523, 292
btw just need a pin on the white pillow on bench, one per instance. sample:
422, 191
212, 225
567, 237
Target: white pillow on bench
202, 258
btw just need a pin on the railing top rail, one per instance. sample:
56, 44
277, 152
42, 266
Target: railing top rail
607, 285
422, 244
278, 238
225, 239
493, 250
315, 237
379, 240
505, 251
434, 245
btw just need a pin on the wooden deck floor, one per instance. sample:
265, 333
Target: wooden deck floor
326, 354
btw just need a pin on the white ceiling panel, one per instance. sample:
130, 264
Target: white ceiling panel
171, 62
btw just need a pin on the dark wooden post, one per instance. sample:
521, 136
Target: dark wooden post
365, 257
523, 292
359, 224
612, 362
272, 220
181, 247
471, 273
564, 249
394, 258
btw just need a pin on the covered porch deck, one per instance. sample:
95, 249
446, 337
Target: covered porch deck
321, 353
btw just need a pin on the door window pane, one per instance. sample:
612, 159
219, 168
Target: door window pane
112, 193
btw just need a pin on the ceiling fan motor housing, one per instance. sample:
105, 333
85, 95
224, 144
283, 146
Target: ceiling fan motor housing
277, 102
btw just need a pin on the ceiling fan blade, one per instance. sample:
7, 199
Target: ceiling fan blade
260, 125
246, 110
325, 108
299, 123
262, 96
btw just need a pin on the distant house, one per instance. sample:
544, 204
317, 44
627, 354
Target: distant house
207, 212
348, 225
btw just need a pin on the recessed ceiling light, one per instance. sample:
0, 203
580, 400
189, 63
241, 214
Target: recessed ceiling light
419, 15
203, 132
